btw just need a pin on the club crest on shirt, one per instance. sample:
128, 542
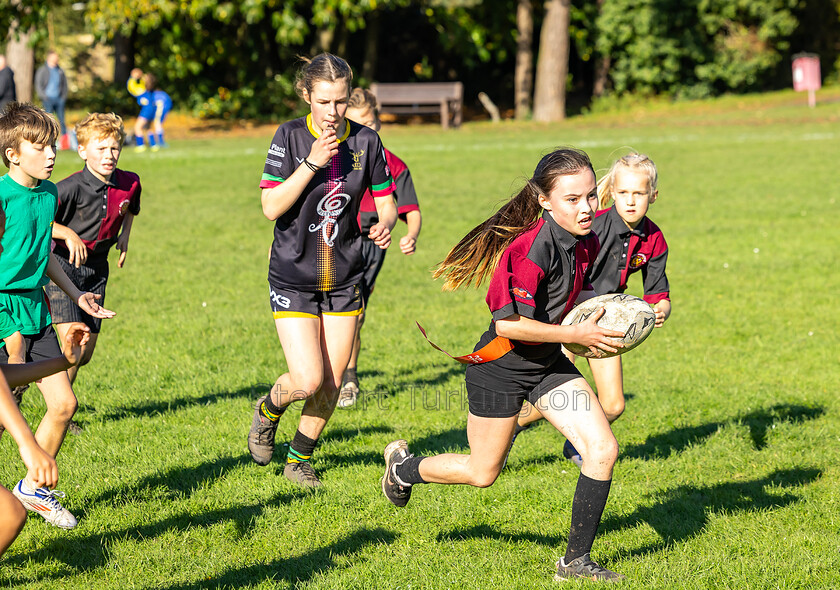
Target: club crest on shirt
520, 293
330, 208
638, 260
357, 159
124, 207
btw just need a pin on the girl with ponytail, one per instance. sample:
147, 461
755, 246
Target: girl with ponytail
536, 251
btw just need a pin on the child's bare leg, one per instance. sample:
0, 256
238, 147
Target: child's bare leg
14, 517
87, 349
610, 385
489, 439
15, 348
61, 405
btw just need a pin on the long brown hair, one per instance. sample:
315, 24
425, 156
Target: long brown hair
475, 257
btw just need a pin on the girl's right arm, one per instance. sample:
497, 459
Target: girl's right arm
279, 199
588, 333
41, 468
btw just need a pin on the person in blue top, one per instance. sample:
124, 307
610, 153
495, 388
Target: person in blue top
51, 87
155, 104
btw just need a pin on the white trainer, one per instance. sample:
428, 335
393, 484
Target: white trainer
44, 502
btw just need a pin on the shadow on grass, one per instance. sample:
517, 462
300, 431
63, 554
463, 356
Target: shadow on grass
295, 570
440, 442
346, 434
90, 552
758, 422
156, 408
485, 531
175, 482
680, 514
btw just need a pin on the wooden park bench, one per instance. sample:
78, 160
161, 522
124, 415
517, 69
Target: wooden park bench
445, 98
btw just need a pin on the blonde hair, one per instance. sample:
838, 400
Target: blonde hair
362, 99
23, 121
476, 256
632, 161
99, 126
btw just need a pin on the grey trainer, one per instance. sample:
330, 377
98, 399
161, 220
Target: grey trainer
395, 453
261, 436
584, 567
303, 474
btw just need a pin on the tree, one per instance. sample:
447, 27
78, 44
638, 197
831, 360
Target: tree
524, 76
553, 62
24, 22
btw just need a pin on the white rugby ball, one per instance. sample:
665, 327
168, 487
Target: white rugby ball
622, 313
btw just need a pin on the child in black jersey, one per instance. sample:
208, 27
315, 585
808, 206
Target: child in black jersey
317, 169
363, 109
630, 242
538, 251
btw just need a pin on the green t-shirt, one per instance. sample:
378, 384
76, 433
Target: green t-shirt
26, 216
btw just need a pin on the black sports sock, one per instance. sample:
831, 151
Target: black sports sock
409, 471
270, 411
587, 508
350, 375
520, 428
301, 448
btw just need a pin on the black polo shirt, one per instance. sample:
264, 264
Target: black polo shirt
625, 251
94, 209
539, 276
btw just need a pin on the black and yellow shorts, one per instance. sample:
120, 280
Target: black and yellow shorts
290, 303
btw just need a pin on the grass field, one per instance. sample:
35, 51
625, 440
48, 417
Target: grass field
728, 473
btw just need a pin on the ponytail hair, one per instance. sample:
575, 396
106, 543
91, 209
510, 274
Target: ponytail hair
476, 256
632, 161
324, 67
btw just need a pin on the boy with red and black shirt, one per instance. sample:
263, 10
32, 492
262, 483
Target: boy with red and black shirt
96, 209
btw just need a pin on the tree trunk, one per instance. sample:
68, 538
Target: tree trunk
21, 58
524, 73
602, 72
602, 69
123, 57
553, 63
371, 46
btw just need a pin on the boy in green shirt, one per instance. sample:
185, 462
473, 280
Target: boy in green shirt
28, 201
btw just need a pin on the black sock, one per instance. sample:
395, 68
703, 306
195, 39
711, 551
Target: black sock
409, 471
520, 428
270, 411
301, 448
350, 375
587, 508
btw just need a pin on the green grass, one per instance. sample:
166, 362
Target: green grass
728, 473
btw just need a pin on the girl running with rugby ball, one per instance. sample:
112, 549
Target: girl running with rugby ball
537, 251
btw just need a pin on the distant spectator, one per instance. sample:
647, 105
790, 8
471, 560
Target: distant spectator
7, 83
51, 86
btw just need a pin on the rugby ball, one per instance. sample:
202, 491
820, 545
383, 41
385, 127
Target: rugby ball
622, 313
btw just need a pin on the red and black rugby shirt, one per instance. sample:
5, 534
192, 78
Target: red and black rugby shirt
625, 251
94, 209
317, 244
404, 190
539, 276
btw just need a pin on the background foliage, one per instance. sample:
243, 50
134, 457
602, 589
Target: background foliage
237, 58
728, 462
